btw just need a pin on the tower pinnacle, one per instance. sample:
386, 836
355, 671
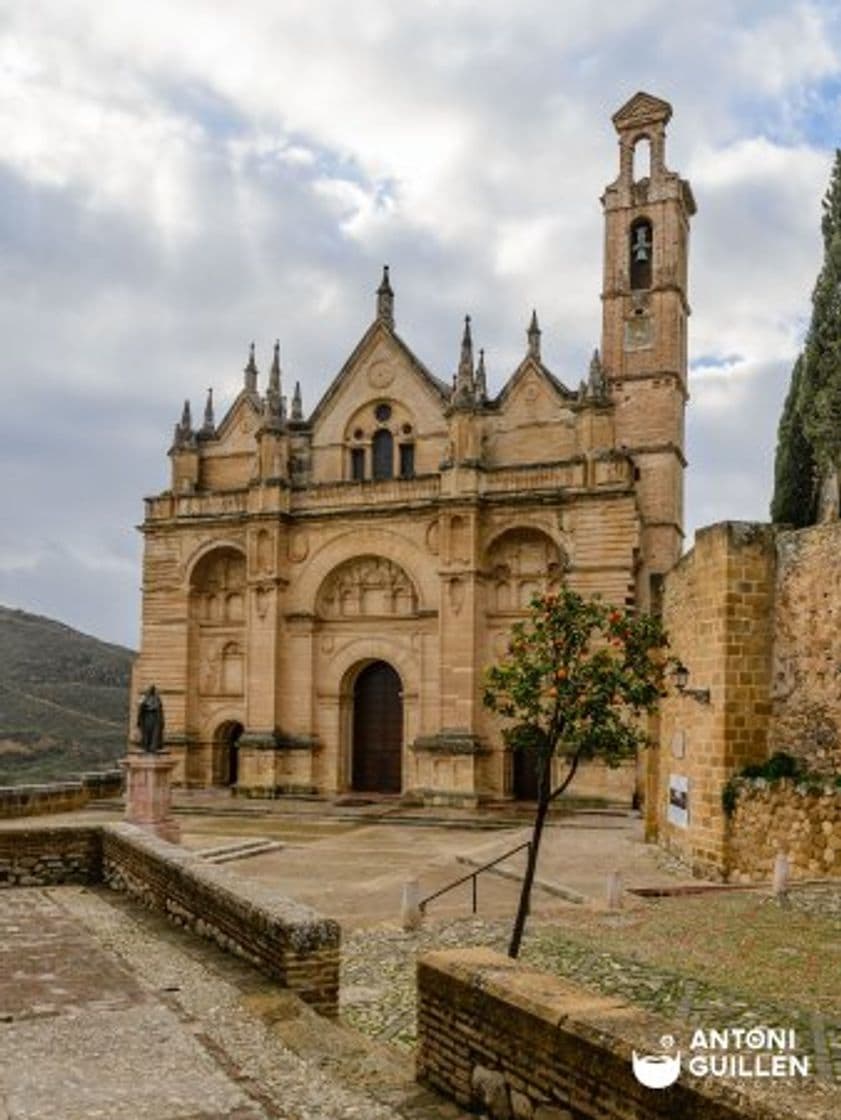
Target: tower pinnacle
385, 301
533, 335
251, 371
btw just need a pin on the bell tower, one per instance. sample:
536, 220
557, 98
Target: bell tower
644, 312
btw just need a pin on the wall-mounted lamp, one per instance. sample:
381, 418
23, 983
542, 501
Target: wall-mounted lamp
702, 695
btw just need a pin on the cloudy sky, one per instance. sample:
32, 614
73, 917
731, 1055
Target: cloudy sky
179, 178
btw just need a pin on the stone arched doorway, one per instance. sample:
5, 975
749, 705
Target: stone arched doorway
524, 775
377, 730
226, 753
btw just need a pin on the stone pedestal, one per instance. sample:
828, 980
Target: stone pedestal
148, 793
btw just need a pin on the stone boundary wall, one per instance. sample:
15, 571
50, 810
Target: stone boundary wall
59, 797
288, 941
284, 939
800, 820
46, 857
504, 1039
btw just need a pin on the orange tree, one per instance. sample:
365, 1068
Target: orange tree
577, 675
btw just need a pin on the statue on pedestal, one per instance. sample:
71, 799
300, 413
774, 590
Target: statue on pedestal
150, 721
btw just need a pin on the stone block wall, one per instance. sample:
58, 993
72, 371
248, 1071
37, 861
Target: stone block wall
803, 821
807, 648
46, 857
718, 613
58, 797
284, 939
516, 1044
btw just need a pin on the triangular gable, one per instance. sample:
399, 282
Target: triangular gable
531, 367
236, 431
642, 109
378, 332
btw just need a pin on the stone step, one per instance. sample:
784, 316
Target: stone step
241, 850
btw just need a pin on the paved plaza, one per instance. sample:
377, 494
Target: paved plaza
107, 1011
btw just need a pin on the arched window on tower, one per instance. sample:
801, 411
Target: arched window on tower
641, 248
382, 454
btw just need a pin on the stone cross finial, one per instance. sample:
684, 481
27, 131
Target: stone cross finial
533, 335
385, 300
251, 371
297, 403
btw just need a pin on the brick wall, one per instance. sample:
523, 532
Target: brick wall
284, 939
718, 613
58, 797
43, 857
499, 1037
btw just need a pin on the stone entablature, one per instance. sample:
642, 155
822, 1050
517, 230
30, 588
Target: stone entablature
469, 502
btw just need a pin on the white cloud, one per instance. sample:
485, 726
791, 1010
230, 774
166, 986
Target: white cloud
179, 178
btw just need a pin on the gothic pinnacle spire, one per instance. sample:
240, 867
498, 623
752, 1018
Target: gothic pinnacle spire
465, 387
186, 419
481, 379
385, 300
534, 333
297, 403
209, 426
251, 371
596, 384
274, 372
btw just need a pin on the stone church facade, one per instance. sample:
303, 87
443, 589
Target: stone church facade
322, 593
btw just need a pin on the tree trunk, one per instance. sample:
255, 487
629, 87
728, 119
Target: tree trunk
543, 795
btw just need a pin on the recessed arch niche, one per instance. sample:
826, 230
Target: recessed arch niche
520, 563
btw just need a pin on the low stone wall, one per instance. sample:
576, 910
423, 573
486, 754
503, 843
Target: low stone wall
45, 857
284, 939
518, 1044
802, 821
58, 797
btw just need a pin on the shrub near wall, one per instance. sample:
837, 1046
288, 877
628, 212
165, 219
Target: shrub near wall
803, 820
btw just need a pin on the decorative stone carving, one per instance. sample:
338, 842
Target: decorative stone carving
380, 374
299, 547
367, 585
521, 563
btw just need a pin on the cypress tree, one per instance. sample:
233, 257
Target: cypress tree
809, 439
794, 467
820, 396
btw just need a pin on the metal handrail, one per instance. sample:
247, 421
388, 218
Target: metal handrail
474, 875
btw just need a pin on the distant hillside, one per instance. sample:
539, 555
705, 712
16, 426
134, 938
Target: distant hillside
64, 699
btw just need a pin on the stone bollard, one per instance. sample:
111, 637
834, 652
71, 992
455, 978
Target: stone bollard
614, 890
781, 875
410, 911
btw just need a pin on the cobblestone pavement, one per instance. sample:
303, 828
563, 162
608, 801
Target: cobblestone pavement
378, 985
107, 1011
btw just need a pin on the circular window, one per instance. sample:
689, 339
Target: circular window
406, 429
383, 412
358, 434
